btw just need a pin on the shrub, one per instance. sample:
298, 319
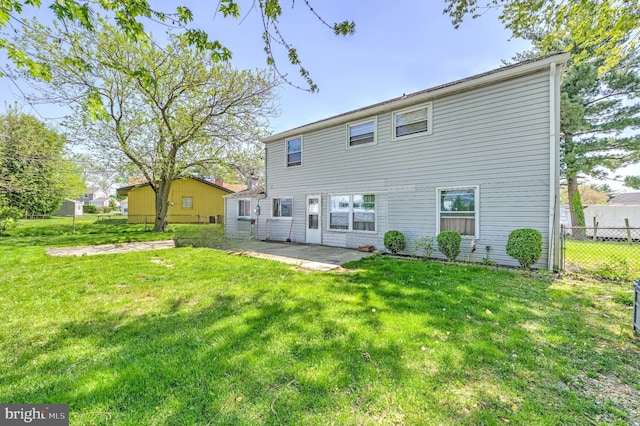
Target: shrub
105, 209
8, 218
88, 208
425, 245
525, 245
449, 244
394, 241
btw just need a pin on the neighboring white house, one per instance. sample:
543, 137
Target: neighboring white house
479, 155
92, 194
99, 202
124, 207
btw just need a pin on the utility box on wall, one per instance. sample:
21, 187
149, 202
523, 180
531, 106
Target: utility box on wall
636, 308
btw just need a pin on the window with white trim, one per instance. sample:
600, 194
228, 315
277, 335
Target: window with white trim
458, 211
283, 207
355, 212
187, 202
361, 133
410, 122
244, 208
294, 151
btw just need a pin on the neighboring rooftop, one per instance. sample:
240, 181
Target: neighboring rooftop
256, 190
125, 189
628, 198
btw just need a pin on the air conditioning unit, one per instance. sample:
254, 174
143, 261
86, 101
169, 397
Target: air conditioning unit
636, 308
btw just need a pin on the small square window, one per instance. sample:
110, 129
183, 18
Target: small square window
412, 122
361, 133
187, 202
283, 207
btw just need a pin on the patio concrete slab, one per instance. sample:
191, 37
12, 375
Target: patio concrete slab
310, 257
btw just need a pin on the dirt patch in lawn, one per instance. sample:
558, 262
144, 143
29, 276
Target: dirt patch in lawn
616, 397
109, 248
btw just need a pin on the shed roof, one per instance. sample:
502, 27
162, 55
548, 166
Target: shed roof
491, 77
125, 189
628, 198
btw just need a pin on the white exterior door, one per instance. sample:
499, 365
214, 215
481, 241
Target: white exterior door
313, 222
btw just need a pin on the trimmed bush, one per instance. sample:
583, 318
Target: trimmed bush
525, 245
449, 244
394, 241
88, 208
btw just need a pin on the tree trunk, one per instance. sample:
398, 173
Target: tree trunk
162, 206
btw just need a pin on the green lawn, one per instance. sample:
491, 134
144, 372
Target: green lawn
609, 260
196, 336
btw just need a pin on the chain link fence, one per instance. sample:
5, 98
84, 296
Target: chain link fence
172, 219
602, 252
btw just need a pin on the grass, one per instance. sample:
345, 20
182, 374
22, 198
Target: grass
197, 336
617, 261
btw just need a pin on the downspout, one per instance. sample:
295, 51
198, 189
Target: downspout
554, 166
262, 198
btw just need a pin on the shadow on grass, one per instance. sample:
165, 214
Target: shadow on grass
394, 342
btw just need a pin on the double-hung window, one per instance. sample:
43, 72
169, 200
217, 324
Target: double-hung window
244, 208
412, 121
283, 207
458, 210
294, 151
361, 133
355, 212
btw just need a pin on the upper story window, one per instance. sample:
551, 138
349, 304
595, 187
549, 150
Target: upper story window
361, 133
244, 208
283, 207
458, 210
412, 121
294, 151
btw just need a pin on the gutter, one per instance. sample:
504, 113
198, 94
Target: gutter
487, 78
554, 166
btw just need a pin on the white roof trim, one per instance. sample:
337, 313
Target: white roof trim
487, 78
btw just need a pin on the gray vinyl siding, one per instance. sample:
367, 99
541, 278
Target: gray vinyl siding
494, 137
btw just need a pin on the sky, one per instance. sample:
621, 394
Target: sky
399, 47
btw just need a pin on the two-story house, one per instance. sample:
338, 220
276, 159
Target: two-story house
479, 155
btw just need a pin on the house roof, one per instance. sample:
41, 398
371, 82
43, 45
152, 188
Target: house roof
256, 190
491, 77
125, 189
101, 199
628, 198
93, 190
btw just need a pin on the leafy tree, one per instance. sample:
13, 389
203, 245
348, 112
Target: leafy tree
132, 15
35, 175
599, 121
596, 28
599, 108
169, 111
